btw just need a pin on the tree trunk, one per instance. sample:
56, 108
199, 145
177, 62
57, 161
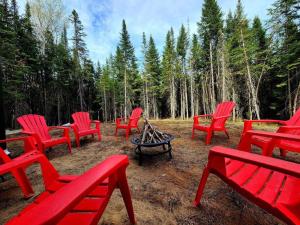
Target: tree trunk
251, 86
289, 95
213, 99
2, 118
125, 94
58, 110
296, 99
192, 95
224, 97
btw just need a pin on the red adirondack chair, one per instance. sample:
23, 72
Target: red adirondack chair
132, 122
267, 144
82, 126
77, 200
36, 126
17, 165
219, 118
270, 183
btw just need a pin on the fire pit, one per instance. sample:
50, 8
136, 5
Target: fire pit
152, 137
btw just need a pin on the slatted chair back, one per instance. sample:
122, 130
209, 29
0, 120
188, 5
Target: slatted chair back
135, 116
35, 124
82, 120
223, 110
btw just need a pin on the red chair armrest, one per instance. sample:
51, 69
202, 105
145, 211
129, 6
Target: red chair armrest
14, 139
205, 115
65, 129
58, 127
222, 117
279, 165
21, 161
287, 129
69, 195
118, 120
267, 121
196, 118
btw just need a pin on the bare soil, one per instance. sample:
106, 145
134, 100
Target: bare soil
162, 190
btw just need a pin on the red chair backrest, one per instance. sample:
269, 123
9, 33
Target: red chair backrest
36, 124
223, 109
295, 119
82, 120
135, 116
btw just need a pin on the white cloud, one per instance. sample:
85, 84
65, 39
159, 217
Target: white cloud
102, 19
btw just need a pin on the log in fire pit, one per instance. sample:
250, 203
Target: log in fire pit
149, 138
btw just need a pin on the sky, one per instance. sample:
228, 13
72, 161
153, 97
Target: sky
102, 19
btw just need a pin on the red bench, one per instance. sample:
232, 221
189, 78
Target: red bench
77, 200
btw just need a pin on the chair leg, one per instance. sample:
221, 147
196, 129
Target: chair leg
226, 134
77, 141
193, 133
127, 133
283, 153
201, 186
69, 146
23, 182
124, 188
116, 131
99, 135
208, 137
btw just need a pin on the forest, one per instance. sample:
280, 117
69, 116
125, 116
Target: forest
46, 68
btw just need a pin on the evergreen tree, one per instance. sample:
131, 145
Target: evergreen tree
79, 54
130, 76
168, 72
153, 71
284, 24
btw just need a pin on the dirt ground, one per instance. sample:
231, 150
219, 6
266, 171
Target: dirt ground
162, 190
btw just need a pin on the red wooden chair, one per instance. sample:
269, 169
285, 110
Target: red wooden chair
82, 126
270, 183
267, 144
219, 118
77, 200
36, 126
132, 122
17, 165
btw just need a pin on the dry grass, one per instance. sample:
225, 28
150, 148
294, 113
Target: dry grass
162, 190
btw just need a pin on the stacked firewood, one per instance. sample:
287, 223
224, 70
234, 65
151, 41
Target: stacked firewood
151, 135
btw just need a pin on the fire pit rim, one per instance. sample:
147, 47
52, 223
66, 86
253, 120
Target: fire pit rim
136, 141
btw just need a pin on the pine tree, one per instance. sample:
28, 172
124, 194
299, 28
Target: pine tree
79, 54
210, 26
131, 81
153, 71
284, 24
182, 48
168, 73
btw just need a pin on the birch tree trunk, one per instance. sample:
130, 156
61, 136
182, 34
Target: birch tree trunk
251, 86
224, 97
192, 94
213, 103
125, 94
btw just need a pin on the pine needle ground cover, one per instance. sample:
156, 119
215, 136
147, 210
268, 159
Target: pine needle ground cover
162, 190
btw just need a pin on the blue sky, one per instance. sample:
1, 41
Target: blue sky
102, 19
